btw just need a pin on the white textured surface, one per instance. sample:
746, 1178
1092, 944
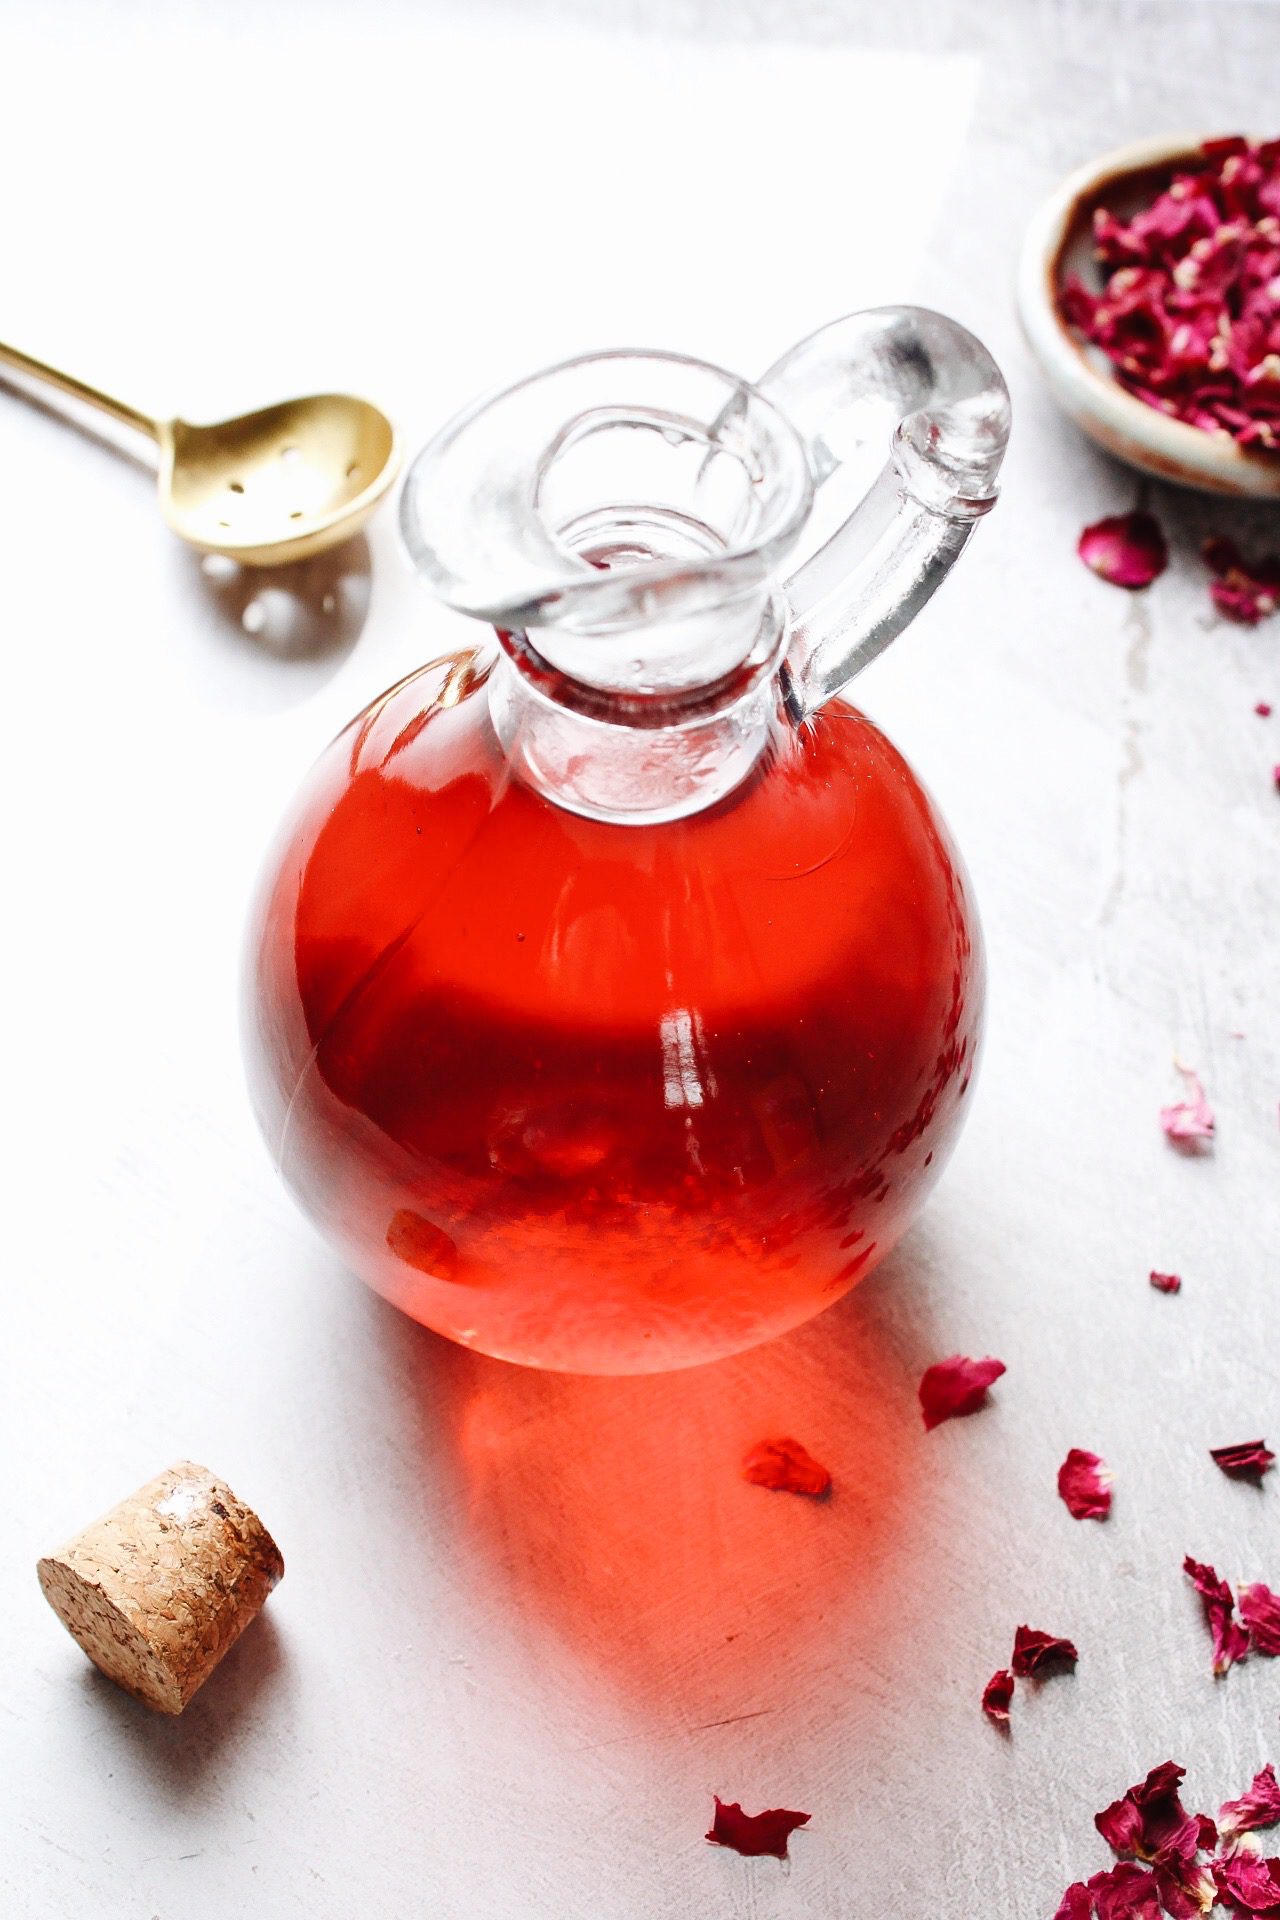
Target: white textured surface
530, 1624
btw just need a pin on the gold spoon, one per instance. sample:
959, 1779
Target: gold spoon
268, 487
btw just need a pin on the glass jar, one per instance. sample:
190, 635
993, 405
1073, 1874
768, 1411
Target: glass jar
614, 990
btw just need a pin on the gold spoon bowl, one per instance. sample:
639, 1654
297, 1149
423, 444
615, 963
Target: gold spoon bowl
264, 488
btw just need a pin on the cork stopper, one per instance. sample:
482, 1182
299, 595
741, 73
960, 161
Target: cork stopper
159, 1588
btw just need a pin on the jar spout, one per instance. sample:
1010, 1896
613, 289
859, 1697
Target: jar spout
631, 512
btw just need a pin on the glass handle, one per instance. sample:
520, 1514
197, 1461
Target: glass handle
950, 408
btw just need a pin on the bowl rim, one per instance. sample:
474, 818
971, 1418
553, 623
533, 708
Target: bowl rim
1171, 447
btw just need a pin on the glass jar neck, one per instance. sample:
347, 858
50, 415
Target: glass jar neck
626, 521
621, 520
641, 757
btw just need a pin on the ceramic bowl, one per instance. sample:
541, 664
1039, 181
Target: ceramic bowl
1059, 242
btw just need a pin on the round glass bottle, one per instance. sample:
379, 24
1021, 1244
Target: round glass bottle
615, 988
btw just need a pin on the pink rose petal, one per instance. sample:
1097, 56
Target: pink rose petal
1186, 1891
1084, 1484
1148, 1816
1128, 550
1208, 1832
754, 1833
1260, 1611
1161, 1873
1125, 1892
1248, 1460
996, 1696
955, 1387
1189, 309
1035, 1653
1159, 1802
1151, 1824
1165, 1282
786, 1467
1245, 591
1120, 1825
1230, 1640
1258, 1807
1190, 1119
1248, 1884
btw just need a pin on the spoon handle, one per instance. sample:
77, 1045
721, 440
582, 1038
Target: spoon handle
79, 389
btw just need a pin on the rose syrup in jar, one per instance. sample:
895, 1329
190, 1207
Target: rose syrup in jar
610, 1021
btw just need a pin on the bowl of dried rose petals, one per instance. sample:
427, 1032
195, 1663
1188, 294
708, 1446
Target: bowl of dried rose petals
1149, 292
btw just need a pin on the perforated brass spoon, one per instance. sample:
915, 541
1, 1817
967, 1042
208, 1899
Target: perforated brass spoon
268, 487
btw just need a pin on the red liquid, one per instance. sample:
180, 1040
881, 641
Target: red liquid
609, 1098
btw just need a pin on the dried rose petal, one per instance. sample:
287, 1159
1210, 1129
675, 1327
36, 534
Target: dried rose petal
1192, 1118
1247, 1461
1248, 1884
1186, 1886
1126, 1892
1120, 1824
753, 1833
1160, 1871
1260, 1611
956, 1386
1150, 1821
1035, 1652
1239, 602
1165, 1821
996, 1696
1263, 709
1128, 550
1230, 1641
1084, 1483
1165, 1282
1245, 591
1259, 1807
1146, 1816
1189, 310
1275, 774
786, 1467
